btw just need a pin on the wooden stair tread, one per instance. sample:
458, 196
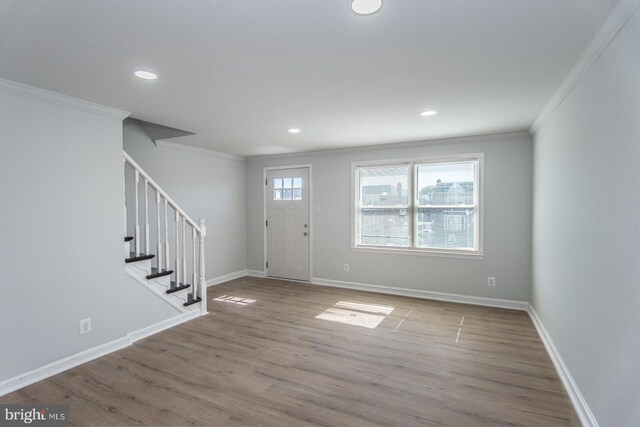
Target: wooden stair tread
176, 288
141, 257
192, 301
155, 273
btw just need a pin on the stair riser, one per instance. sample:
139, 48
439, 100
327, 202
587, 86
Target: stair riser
155, 288
142, 268
162, 284
165, 281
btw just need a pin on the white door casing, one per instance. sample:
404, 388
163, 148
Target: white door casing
288, 223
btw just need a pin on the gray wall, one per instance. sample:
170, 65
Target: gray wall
61, 236
143, 308
586, 222
204, 186
507, 210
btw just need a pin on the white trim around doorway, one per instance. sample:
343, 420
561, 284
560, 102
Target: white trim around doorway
264, 214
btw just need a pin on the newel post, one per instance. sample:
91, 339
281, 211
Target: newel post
202, 280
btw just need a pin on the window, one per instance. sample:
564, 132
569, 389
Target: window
423, 206
287, 188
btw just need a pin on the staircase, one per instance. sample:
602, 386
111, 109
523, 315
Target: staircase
168, 260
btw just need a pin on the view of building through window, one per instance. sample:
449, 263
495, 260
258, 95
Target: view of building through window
440, 214
384, 205
446, 206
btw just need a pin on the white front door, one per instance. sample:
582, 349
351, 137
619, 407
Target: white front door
288, 223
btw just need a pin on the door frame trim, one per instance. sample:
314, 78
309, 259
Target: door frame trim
264, 214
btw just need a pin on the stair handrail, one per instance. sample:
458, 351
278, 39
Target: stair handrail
199, 280
164, 194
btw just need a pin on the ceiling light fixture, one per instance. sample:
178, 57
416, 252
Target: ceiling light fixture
294, 130
366, 7
146, 75
429, 113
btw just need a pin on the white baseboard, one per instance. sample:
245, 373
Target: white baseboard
162, 325
418, 293
66, 363
255, 273
226, 277
61, 365
577, 399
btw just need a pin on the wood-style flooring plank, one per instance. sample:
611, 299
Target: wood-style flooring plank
264, 358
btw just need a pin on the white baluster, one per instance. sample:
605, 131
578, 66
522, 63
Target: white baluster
193, 257
126, 252
137, 206
147, 249
124, 167
158, 238
166, 235
177, 248
184, 251
203, 284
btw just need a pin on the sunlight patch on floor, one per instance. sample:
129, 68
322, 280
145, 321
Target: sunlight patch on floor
357, 314
235, 300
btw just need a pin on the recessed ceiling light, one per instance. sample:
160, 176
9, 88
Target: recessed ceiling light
294, 130
366, 7
429, 113
147, 75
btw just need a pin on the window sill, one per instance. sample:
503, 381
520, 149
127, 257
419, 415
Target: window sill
419, 252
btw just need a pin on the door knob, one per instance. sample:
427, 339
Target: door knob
305, 234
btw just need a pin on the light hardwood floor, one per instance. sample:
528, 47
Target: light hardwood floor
271, 362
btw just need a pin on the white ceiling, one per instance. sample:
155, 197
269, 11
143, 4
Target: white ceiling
239, 73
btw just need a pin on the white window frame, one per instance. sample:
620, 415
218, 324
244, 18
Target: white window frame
477, 253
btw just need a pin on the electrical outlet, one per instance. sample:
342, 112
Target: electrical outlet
85, 326
491, 282
346, 268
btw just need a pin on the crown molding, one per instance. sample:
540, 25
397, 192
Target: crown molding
183, 147
611, 26
517, 135
16, 88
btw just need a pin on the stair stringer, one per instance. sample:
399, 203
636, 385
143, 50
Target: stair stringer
157, 289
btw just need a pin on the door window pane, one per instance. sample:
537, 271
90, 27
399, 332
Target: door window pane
287, 188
